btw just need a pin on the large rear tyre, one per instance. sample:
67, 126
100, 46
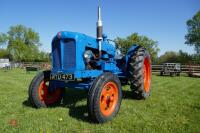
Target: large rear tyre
139, 70
104, 98
39, 94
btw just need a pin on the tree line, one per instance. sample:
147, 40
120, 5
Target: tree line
178, 57
22, 44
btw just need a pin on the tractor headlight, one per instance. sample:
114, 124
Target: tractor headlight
88, 55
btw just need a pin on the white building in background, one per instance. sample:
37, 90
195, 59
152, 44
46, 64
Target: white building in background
4, 63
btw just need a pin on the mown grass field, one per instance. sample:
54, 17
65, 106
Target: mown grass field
174, 106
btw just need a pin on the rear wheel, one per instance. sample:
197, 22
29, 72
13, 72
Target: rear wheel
40, 94
140, 73
104, 98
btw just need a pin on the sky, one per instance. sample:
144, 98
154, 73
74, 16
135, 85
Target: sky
161, 20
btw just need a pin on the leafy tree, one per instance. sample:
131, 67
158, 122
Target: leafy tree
169, 56
17, 50
31, 53
176, 57
22, 43
4, 53
149, 44
43, 57
193, 35
24, 34
184, 57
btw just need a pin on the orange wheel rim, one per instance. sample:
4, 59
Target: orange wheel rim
47, 97
109, 98
147, 74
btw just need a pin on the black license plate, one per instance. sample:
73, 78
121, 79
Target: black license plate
61, 76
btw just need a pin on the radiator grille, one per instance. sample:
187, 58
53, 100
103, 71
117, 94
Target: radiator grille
56, 55
69, 54
69, 61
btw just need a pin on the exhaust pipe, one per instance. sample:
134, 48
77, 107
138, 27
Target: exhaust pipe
99, 29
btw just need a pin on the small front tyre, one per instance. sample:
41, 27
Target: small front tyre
40, 94
104, 98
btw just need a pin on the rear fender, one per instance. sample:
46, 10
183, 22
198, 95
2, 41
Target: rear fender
130, 53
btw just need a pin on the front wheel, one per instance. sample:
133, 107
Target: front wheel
40, 94
104, 98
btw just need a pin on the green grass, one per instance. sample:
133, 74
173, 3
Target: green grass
174, 106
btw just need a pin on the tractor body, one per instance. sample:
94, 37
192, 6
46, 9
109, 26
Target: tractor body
76, 62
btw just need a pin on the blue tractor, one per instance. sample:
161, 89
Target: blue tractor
94, 64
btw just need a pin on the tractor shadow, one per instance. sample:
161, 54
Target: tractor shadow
27, 103
128, 94
76, 101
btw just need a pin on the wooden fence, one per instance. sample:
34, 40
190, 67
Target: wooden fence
39, 65
184, 68
155, 68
